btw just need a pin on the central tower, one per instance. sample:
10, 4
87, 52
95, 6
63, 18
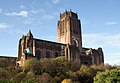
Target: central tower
69, 29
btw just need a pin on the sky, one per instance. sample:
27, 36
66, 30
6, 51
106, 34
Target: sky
100, 21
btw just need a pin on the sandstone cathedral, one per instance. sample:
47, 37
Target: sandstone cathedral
69, 44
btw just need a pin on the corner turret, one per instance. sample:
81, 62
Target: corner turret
30, 34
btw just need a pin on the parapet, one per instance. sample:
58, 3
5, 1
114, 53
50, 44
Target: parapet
68, 14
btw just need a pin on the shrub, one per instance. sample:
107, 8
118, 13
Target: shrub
67, 81
44, 78
56, 79
28, 64
3, 74
109, 76
19, 77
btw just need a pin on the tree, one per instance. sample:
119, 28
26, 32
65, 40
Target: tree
109, 76
3, 74
28, 65
86, 74
4, 62
44, 78
56, 79
19, 77
54, 66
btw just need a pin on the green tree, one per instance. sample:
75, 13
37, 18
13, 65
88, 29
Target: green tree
30, 78
86, 74
28, 65
109, 76
54, 66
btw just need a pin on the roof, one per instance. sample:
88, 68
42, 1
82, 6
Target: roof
48, 41
85, 49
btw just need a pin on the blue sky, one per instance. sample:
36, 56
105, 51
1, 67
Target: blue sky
100, 23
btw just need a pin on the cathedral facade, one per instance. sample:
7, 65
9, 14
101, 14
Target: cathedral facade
69, 44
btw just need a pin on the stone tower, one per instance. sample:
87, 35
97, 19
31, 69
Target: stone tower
69, 30
25, 43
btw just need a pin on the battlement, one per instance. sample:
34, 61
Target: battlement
68, 14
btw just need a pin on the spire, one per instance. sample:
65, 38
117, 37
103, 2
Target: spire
29, 33
23, 36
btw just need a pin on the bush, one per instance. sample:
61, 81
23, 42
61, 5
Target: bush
19, 77
56, 79
86, 74
109, 76
4, 74
54, 66
37, 68
67, 81
44, 78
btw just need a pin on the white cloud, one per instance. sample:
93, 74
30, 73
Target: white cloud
22, 7
50, 38
102, 39
0, 10
21, 13
4, 26
114, 59
111, 23
55, 1
48, 17
15, 31
109, 42
34, 11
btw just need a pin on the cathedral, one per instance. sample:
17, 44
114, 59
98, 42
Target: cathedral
69, 44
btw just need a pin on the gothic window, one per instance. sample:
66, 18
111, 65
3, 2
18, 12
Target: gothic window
75, 42
47, 54
38, 54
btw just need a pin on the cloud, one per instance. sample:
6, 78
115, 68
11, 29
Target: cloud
15, 31
34, 11
102, 39
50, 38
0, 10
111, 23
109, 42
55, 1
48, 17
4, 26
22, 7
114, 60
21, 13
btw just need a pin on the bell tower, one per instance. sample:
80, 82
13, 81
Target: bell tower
69, 29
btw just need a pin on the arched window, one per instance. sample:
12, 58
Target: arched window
38, 54
75, 42
47, 54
